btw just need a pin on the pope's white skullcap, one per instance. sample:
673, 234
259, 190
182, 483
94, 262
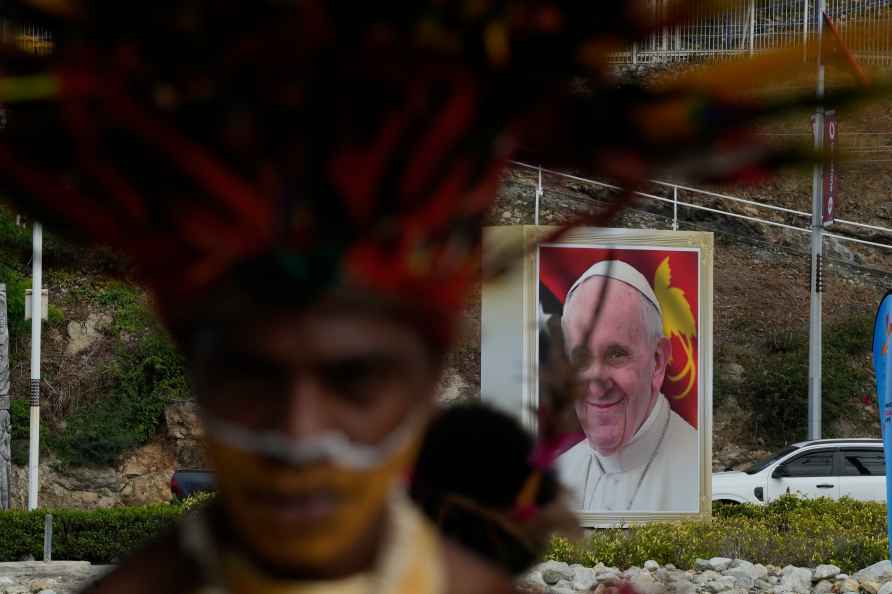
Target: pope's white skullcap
620, 271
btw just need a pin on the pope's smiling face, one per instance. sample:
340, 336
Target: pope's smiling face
621, 359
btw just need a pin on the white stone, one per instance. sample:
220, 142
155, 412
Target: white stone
822, 572
886, 588
877, 571
644, 584
558, 566
744, 581
651, 565
6, 581
716, 586
584, 578
702, 564
719, 563
796, 579
870, 586
683, 587
533, 579
823, 587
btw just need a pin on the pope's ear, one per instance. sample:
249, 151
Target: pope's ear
662, 354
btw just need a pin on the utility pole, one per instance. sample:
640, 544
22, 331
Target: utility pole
817, 243
36, 318
5, 420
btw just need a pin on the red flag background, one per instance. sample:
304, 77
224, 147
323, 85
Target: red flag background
560, 266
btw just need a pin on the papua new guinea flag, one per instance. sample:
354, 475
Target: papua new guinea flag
882, 365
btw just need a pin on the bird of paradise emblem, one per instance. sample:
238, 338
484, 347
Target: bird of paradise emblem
678, 322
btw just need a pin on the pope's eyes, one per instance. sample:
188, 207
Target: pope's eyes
616, 354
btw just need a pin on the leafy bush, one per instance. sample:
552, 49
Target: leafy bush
99, 536
847, 533
775, 388
20, 419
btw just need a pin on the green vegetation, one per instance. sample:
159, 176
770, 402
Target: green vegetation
775, 386
86, 535
144, 375
847, 533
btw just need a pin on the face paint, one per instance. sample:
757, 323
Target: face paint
303, 504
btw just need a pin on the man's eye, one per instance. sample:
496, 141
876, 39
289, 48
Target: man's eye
616, 355
357, 380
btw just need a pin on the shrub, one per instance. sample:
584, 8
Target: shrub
775, 388
99, 536
847, 533
20, 420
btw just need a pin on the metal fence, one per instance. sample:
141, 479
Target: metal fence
760, 25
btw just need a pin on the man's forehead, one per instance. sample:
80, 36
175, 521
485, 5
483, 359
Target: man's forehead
306, 338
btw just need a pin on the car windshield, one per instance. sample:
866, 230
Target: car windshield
762, 464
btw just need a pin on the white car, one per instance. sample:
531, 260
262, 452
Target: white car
832, 468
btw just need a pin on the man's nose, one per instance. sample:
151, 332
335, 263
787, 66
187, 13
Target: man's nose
306, 413
596, 380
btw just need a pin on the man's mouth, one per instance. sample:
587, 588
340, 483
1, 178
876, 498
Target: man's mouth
603, 403
290, 509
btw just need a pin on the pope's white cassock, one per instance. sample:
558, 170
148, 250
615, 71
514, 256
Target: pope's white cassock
658, 470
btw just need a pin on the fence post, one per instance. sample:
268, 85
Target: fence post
752, 27
538, 197
675, 208
48, 538
805, 30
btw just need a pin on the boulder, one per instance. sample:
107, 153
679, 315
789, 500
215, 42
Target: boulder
182, 421
83, 335
886, 588
823, 587
716, 586
875, 572
643, 583
584, 578
796, 579
702, 564
552, 576
556, 571
823, 572
683, 587
846, 585
532, 580
870, 586
651, 565
719, 563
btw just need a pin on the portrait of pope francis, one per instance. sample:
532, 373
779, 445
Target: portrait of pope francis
638, 454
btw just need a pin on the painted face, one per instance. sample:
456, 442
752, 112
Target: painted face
621, 365
311, 420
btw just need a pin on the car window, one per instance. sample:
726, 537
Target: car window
813, 464
866, 462
765, 462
